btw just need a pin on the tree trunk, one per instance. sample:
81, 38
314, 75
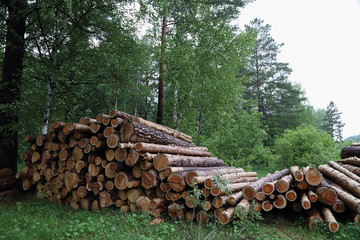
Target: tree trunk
352, 151
11, 82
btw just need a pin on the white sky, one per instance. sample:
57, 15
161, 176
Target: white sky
322, 46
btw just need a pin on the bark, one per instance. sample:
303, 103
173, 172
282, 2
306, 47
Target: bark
158, 148
341, 179
351, 160
249, 191
11, 82
351, 168
351, 151
162, 161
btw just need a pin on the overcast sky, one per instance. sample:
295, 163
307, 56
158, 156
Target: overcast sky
322, 46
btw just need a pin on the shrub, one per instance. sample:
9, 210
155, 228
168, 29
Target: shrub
304, 146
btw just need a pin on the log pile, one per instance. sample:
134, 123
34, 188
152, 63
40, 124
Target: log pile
118, 160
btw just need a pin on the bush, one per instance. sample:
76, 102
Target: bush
304, 146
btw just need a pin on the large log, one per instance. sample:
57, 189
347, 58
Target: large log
312, 176
164, 129
352, 151
177, 181
250, 190
341, 179
325, 193
344, 171
159, 148
162, 161
351, 168
135, 132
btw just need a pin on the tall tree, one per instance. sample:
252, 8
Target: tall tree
279, 101
332, 122
11, 82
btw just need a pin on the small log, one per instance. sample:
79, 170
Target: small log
72, 127
116, 122
297, 174
267, 205
132, 157
312, 176
143, 203
235, 187
341, 179
250, 190
280, 202
339, 206
134, 194
109, 154
158, 148
305, 202
124, 116
283, 184
227, 215
330, 220
107, 198
243, 207
122, 179
302, 185
220, 201
351, 201
81, 191
260, 196
234, 198
315, 218
113, 140
137, 171
312, 196
120, 154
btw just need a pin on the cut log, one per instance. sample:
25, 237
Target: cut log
267, 205
177, 181
164, 129
218, 170
341, 179
280, 202
198, 177
325, 193
132, 157
72, 127
250, 190
135, 132
305, 202
312, 196
125, 116
243, 207
134, 194
283, 184
315, 218
227, 215
149, 179
260, 196
120, 154
143, 203
269, 187
113, 140
351, 168
330, 220
121, 180
116, 122
162, 161
302, 185
137, 171
339, 206
351, 201
344, 171
235, 187
158, 148
352, 151
234, 198
312, 176
297, 173
351, 160
220, 201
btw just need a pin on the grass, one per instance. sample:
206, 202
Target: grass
32, 218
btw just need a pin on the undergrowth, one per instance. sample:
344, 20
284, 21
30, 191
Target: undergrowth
40, 219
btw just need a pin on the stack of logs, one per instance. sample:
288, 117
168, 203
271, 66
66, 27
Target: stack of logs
323, 193
128, 162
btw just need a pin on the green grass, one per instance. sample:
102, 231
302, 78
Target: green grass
34, 218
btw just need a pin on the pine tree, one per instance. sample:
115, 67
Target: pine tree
332, 122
